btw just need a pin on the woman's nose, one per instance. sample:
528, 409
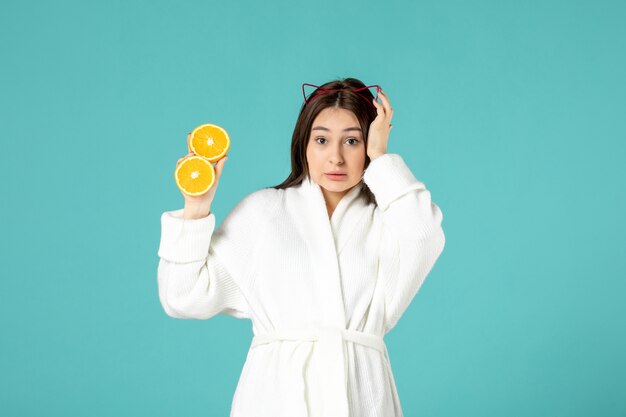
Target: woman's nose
336, 159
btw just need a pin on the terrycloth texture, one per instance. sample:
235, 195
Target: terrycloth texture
320, 293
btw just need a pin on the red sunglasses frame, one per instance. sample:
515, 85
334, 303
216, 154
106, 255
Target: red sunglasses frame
324, 91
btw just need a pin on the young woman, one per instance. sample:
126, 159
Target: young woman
324, 264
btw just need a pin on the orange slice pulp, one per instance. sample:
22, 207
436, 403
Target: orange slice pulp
194, 175
209, 141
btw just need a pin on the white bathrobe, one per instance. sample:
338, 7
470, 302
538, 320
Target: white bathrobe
321, 293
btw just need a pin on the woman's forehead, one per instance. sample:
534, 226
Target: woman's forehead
334, 118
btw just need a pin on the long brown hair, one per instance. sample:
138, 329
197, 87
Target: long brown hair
359, 103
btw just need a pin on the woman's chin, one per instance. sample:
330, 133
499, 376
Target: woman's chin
336, 186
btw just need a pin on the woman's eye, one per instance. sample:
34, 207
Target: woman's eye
354, 141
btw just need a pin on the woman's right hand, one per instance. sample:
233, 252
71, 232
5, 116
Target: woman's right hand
198, 206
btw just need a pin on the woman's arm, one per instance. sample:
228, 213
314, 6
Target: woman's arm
412, 236
193, 283
203, 271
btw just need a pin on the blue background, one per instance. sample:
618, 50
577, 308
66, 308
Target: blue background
512, 114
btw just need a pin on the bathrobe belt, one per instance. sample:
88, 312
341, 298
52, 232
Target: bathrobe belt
331, 350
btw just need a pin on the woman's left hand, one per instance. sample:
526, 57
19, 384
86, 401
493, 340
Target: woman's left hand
378, 134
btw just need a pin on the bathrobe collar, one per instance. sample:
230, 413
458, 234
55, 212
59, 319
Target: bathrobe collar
327, 238
311, 190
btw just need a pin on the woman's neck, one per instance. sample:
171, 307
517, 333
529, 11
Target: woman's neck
332, 199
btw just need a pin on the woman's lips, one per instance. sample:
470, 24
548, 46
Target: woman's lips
336, 177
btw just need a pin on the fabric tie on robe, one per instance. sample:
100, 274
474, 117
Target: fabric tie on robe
330, 340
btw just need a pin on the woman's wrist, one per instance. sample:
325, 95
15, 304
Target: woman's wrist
375, 155
192, 212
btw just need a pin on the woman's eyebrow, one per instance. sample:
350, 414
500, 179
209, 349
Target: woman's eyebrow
328, 130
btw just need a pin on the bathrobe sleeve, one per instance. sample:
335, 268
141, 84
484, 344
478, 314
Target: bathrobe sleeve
193, 281
412, 236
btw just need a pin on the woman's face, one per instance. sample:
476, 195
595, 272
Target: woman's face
336, 145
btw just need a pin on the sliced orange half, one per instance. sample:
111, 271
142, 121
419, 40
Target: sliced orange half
210, 141
194, 175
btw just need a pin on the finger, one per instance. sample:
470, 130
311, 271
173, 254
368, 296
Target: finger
384, 98
379, 107
219, 167
383, 104
386, 104
183, 157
